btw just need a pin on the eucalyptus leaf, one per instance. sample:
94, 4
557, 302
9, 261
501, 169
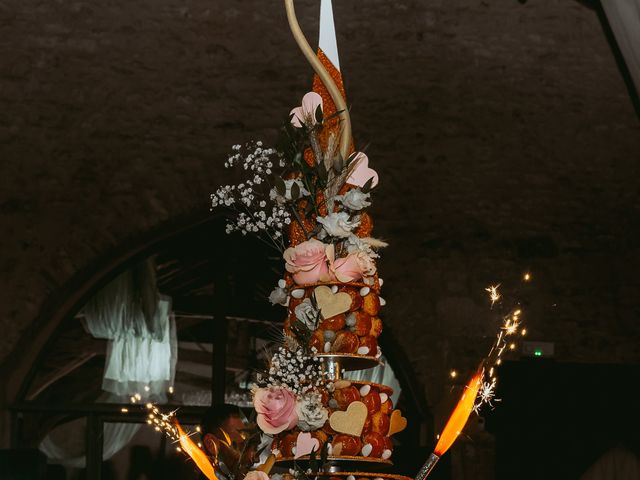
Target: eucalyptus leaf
301, 332
366, 188
313, 461
281, 188
324, 455
319, 114
295, 191
351, 158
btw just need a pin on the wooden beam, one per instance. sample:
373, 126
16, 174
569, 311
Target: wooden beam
53, 377
94, 437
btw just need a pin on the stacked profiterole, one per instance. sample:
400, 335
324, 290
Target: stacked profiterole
342, 428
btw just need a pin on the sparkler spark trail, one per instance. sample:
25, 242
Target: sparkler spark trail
481, 388
168, 424
486, 394
511, 324
494, 295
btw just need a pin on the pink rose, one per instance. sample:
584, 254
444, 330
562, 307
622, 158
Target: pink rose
307, 262
353, 267
276, 408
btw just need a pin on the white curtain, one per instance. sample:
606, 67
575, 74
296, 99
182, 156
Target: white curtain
624, 19
382, 374
137, 321
143, 364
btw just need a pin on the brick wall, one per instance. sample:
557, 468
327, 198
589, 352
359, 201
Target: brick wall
503, 134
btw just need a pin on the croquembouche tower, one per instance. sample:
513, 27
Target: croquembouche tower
333, 291
315, 210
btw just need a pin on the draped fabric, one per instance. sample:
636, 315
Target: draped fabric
142, 349
383, 374
72, 454
624, 19
142, 364
126, 306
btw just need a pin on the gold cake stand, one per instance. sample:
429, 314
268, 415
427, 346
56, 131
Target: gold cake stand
336, 363
340, 464
367, 475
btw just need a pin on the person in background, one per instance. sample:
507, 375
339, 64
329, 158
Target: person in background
621, 462
223, 437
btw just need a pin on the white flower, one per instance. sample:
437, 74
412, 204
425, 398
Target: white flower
307, 314
354, 199
338, 224
311, 414
354, 244
278, 296
280, 200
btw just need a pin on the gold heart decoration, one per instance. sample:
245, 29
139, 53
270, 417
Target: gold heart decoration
351, 421
397, 422
331, 304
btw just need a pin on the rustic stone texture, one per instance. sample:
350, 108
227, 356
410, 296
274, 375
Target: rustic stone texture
502, 133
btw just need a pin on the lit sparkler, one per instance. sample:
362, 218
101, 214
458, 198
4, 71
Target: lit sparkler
168, 424
196, 453
454, 425
482, 387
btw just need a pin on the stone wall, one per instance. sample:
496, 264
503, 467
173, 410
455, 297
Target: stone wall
503, 134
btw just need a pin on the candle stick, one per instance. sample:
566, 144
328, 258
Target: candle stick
427, 467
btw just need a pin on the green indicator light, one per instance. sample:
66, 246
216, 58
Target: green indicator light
537, 353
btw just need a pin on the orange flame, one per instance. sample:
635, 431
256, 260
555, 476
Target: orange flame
196, 454
460, 415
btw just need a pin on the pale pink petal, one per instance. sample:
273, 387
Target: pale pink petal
310, 102
317, 273
347, 269
362, 173
266, 427
298, 117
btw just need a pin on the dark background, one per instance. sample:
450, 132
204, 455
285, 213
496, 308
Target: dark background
504, 134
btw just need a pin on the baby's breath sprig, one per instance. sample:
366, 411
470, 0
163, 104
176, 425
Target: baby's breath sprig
298, 371
258, 211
